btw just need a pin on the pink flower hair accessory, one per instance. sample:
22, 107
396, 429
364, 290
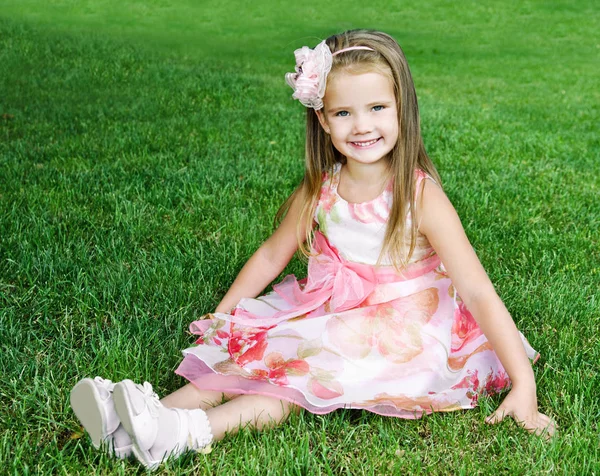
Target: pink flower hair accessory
312, 68
310, 78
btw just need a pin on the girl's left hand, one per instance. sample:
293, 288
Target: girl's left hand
521, 405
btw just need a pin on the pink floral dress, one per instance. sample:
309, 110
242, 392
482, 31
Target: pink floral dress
352, 334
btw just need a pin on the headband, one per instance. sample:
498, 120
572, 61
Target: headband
312, 68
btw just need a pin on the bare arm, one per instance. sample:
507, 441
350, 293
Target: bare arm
267, 262
442, 227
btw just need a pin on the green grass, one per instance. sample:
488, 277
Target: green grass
145, 147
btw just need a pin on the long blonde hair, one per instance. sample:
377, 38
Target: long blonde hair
407, 155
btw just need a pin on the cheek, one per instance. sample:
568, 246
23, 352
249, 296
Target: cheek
338, 139
339, 135
393, 124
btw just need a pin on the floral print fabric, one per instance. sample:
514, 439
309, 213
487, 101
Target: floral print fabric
352, 334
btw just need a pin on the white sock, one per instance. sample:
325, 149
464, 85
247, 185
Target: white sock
179, 431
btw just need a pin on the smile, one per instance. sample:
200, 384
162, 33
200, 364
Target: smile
365, 143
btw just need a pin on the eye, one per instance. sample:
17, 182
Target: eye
342, 113
378, 108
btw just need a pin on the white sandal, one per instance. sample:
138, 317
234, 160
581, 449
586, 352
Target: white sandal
92, 403
147, 420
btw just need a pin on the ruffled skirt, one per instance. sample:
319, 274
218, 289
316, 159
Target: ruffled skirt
351, 336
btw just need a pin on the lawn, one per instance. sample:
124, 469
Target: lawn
145, 147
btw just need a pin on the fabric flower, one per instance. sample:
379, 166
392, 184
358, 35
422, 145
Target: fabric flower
279, 368
247, 345
396, 334
310, 78
464, 328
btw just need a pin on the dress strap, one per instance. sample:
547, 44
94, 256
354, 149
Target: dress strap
421, 176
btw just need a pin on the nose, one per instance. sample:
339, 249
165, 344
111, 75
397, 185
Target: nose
362, 124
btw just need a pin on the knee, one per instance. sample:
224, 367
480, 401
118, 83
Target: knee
277, 408
283, 407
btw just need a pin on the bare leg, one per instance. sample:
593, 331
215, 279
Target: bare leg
189, 397
253, 411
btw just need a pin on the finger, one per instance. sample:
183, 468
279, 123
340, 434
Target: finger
551, 421
540, 425
497, 416
547, 427
545, 432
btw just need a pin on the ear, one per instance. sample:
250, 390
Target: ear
323, 121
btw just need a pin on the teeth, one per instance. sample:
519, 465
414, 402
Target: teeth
365, 144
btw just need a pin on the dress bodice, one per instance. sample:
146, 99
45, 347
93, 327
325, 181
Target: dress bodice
357, 230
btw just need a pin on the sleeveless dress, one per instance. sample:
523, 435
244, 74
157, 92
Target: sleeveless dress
352, 334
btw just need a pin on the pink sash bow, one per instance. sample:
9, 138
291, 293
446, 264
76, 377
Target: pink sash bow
345, 283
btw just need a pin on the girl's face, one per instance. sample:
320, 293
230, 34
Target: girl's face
361, 116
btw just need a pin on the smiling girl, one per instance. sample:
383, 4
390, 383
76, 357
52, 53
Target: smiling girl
396, 316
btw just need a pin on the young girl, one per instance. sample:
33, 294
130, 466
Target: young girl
396, 316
